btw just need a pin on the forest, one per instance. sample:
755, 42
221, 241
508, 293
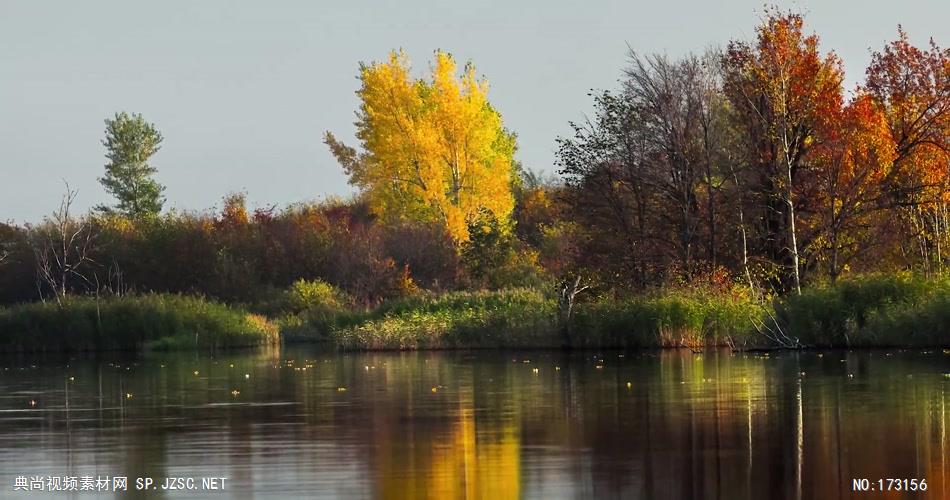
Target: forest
737, 196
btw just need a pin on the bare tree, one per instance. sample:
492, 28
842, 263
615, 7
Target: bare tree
62, 246
670, 109
566, 299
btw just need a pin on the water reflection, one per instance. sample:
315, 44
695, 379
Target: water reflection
303, 423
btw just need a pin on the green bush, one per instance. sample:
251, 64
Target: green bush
131, 322
304, 295
310, 310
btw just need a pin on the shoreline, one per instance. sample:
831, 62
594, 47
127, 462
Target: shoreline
886, 311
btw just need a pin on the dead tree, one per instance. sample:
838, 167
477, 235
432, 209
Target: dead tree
62, 246
567, 297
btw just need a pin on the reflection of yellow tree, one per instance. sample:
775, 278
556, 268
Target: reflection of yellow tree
461, 461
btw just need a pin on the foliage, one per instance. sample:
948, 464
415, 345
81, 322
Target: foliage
495, 258
782, 92
911, 86
130, 142
309, 294
311, 310
641, 172
854, 157
239, 255
434, 150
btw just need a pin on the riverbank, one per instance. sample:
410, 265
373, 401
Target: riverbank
134, 322
871, 311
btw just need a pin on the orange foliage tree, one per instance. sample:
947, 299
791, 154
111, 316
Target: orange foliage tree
853, 156
912, 87
782, 91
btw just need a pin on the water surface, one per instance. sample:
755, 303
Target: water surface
305, 423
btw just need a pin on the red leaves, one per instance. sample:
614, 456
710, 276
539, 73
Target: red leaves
912, 87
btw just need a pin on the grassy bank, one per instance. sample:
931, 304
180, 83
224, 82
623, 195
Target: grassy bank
131, 322
529, 318
871, 311
669, 319
901, 310
508, 318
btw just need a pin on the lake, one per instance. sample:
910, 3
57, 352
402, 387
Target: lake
305, 423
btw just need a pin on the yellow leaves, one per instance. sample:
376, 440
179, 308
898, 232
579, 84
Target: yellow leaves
434, 149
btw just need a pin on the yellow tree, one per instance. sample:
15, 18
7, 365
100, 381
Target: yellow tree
432, 149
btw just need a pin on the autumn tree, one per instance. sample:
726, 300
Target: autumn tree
432, 150
604, 166
854, 155
642, 171
912, 87
781, 89
130, 143
674, 103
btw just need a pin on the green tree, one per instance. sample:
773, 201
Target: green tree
130, 143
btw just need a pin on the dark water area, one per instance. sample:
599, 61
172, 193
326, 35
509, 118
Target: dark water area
305, 423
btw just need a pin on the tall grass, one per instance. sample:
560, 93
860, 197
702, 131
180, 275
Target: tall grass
506, 318
668, 319
528, 318
874, 310
879, 310
159, 321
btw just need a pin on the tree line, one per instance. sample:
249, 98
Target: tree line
747, 166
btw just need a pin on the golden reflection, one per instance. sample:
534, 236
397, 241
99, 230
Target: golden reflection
459, 460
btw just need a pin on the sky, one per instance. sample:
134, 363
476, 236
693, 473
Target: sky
243, 91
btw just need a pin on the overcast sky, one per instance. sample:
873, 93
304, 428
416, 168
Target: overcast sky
243, 91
